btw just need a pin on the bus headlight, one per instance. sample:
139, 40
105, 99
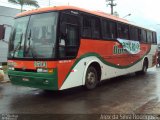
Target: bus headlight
10, 68
43, 70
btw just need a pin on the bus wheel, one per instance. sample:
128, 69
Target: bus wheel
144, 68
91, 79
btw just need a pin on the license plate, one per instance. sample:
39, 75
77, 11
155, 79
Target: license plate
25, 79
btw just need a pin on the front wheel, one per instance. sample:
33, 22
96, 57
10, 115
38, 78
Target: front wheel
91, 79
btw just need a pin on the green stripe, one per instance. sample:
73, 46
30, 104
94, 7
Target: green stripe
104, 61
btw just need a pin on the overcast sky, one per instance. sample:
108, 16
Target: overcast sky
143, 12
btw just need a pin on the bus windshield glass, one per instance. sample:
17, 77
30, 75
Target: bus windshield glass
34, 36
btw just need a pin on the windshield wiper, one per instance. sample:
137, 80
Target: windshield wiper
29, 48
18, 47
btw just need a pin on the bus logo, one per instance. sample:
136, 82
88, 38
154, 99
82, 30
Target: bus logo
117, 50
132, 47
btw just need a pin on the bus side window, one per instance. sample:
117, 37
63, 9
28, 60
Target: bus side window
95, 28
72, 41
149, 37
126, 31
113, 29
136, 34
155, 36
154, 40
143, 36
91, 27
108, 29
139, 35
87, 27
119, 31
68, 36
106, 32
133, 33
123, 31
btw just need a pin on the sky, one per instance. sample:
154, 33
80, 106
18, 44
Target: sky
143, 12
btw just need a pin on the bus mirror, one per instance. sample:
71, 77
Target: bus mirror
62, 43
2, 32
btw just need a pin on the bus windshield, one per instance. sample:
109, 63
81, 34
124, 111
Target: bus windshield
34, 36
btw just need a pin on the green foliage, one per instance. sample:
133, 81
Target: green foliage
24, 2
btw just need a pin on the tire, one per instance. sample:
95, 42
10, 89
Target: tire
144, 69
91, 78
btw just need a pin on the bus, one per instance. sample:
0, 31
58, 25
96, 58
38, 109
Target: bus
62, 47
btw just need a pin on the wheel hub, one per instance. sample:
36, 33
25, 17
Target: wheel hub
91, 78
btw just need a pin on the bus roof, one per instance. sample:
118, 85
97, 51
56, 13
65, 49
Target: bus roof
59, 8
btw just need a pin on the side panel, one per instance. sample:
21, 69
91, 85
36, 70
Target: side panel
112, 51
77, 77
64, 68
112, 65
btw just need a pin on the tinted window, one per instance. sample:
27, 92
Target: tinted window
108, 29
113, 29
143, 36
69, 36
123, 31
72, 41
95, 28
91, 27
86, 30
67, 18
139, 34
133, 33
149, 37
154, 40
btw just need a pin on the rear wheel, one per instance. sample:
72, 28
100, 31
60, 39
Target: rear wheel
91, 79
144, 68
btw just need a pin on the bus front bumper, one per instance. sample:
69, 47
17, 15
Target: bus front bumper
47, 81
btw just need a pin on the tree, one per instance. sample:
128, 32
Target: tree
24, 2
